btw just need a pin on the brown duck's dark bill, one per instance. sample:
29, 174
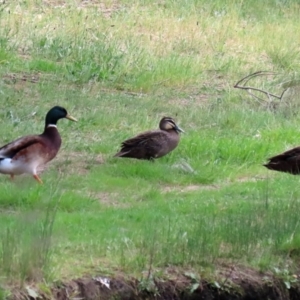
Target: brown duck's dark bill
69, 117
179, 129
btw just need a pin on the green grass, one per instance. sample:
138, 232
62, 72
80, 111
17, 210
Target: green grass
118, 68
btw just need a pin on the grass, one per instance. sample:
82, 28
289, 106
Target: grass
119, 67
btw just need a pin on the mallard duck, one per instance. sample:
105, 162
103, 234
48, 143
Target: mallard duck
152, 144
27, 153
288, 162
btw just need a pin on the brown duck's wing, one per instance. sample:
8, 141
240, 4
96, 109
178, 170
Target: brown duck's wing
143, 146
143, 138
292, 154
21, 146
288, 161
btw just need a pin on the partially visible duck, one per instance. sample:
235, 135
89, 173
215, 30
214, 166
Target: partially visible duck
27, 153
288, 162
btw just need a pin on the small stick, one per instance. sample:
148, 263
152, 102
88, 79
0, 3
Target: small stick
241, 84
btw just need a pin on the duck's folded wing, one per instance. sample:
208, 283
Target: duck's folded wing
153, 138
17, 147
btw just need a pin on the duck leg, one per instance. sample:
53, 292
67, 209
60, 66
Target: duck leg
38, 179
12, 176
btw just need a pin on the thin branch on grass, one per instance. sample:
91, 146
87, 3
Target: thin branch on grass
227, 277
135, 94
151, 258
267, 193
241, 84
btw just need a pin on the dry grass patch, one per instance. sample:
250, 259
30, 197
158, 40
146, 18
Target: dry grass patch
188, 188
21, 78
72, 163
109, 199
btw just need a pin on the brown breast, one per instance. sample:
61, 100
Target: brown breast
52, 141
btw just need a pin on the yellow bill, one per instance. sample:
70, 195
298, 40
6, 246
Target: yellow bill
69, 117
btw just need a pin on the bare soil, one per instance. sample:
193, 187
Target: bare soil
232, 283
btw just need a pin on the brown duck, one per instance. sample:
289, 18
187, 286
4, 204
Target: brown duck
152, 144
27, 153
288, 162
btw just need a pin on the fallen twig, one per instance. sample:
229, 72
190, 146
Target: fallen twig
241, 84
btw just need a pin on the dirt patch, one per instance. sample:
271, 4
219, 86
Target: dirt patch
209, 187
195, 100
70, 163
107, 9
230, 283
74, 162
109, 199
13, 78
189, 188
251, 178
21, 81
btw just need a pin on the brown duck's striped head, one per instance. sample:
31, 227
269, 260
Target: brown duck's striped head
168, 123
56, 113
